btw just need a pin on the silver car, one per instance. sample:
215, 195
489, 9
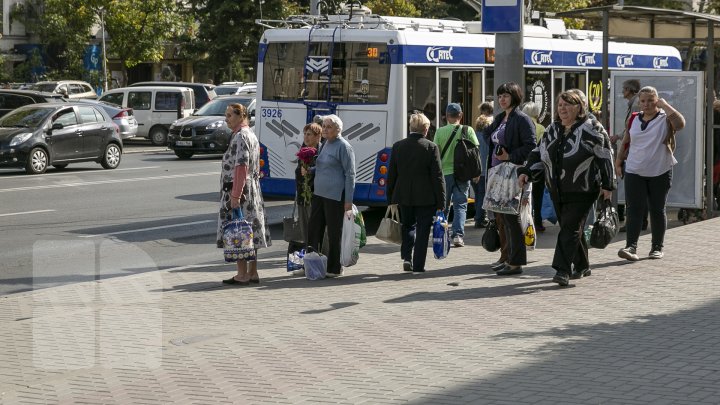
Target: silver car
122, 117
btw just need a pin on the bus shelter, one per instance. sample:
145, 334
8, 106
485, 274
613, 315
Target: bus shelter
652, 26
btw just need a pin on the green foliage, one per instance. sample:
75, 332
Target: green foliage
563, 5
402, 8
432, 8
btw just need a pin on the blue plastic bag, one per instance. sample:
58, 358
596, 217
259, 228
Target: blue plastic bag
441, 236
548, 210
295, 260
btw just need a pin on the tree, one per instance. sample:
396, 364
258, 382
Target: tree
401, 8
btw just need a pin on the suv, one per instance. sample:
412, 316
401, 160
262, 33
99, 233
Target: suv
203, 92
12, 99
71, 89
206, 131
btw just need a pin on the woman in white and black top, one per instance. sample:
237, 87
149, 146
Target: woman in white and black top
648, 169
576, 161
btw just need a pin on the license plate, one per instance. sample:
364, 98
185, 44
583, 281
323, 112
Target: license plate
183, 143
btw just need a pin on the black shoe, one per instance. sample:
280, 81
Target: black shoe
509, 271
499, 265
481, 224
407, 266
232, 281
580, 274
418, 271
562, 279
254, 280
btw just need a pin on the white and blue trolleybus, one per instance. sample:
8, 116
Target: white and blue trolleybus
373, 71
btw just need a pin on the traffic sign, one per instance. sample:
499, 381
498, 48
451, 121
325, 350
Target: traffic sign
499, 16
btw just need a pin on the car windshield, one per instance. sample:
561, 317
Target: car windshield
218, 106
46, 87
221, 91
30, 117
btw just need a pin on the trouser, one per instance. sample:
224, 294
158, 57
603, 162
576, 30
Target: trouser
517, 254
416, 223
571, 248
538, 190
328, 213
458, 193
504, 251
480, 214
646, 194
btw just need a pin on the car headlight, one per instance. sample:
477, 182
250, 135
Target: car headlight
20, 138
215, 125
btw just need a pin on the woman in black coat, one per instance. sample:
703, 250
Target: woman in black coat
417, 185
511, 138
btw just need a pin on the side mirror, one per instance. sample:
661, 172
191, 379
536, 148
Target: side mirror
57, 125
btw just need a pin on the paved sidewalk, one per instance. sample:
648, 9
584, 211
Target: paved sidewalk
632, 333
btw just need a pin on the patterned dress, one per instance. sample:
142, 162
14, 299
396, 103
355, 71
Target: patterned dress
244, 149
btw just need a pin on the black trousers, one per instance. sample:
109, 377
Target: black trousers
325, 212
517, 253
571, 248
645, 194
416, 224
538, 190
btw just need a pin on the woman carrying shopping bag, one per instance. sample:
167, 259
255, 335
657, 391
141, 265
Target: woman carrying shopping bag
576, 162
511, 138
417, 185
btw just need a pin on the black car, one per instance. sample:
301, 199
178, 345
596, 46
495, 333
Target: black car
203, 92
206, 131
12, 99
36, 136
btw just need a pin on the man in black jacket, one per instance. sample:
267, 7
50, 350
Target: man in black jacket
416, 184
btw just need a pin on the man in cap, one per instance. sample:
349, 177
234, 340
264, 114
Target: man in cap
456, 191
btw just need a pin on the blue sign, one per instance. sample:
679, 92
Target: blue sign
498, 16
401, 54
91, 61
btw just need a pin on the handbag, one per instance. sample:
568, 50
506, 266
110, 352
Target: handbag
503, 193
441, 236
605, 227
238, 238
390, 229
292, 231
491, 237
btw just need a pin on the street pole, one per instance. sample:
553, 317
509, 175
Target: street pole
102, 27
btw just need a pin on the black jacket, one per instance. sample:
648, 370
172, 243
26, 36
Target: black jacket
519, 136
415, 175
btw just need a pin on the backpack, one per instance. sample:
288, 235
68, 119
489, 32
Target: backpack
466, 163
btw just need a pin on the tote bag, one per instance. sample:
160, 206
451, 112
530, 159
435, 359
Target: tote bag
238, 238
502, 193
390, 229
291, 227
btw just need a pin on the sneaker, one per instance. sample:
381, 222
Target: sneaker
335, 275
656, 253
481, 224
580, 274
562, 279
299, 272
407, 266
458, 241
498, 265
629, 253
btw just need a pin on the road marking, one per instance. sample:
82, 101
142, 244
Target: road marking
25, 213
98, 182
147, 229
91, 171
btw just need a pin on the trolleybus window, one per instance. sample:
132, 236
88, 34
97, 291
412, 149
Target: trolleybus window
356, 72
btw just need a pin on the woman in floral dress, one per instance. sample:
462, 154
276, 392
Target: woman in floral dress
240, 182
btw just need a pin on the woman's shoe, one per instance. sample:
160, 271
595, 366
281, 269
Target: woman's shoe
580, 274
562, 279
254, 280
509, 271
232, 281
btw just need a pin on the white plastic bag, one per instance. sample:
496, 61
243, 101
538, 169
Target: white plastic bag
315, 266
350, 241
527, 225
502, 191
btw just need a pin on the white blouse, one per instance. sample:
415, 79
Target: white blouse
649, 156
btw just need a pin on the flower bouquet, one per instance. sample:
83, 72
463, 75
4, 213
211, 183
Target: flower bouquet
306, 154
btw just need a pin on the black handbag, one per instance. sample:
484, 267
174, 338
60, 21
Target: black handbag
491, 237
605, 227
292, 231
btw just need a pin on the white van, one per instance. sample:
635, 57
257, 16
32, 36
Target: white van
154, 108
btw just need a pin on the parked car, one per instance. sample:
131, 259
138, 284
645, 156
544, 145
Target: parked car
204, 92
121, 116
206, 131
227, 89
38, 135
154, 108
72, 89
12, 99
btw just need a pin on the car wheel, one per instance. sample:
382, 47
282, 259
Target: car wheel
37, 161
60, 166
158, 136
111, 158
182, 154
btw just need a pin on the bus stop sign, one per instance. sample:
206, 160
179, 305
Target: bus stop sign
498, 16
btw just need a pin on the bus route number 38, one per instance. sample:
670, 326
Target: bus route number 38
271, 113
